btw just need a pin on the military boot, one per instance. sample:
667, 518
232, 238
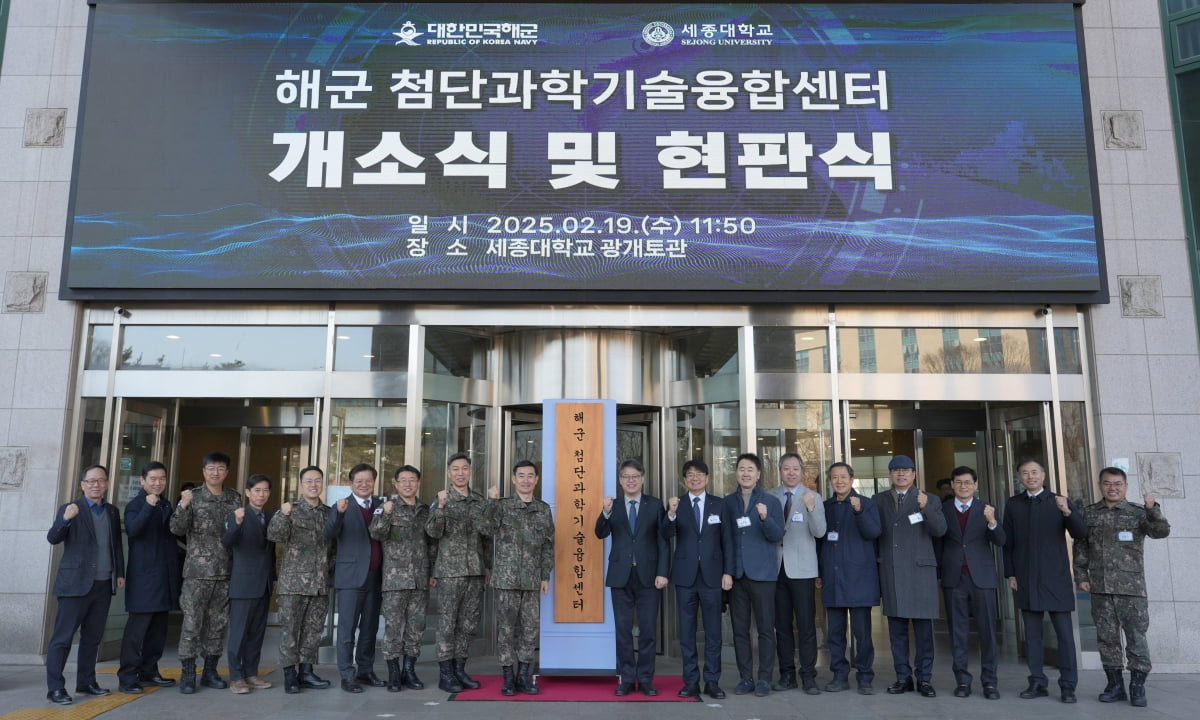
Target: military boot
1137, 688
1115, 689
525, 680
291, 685
460, 669
409, 673
447, 678
509, 687
187, 679
394, 683
309, 679
210, 678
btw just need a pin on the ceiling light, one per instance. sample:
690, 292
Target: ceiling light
172, 337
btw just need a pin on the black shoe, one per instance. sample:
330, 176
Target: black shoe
762, 688
460, 670
786, 681
394, 683
810, 686
158, 680
525, 681
508, 685
866, 690
408, 673
370, 678
210, 678
351, 686
447, 679
623, 689
1068, 695
59, 696
900, 687
837, 685
647, 688
714, 691
925, 689
1034, 691
690, 691
963, 691
745, 687
309, 679
133, 689
93, 689
990, 692
291, 681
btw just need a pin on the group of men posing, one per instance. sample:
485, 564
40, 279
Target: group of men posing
769, 550
381, 556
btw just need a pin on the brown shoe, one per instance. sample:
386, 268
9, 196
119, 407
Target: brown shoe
239, 687
257, 683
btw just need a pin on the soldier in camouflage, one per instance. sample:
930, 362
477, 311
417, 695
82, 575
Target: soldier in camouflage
459, 572
523, 533
406, 554
204, 597
1109, 564
304, 576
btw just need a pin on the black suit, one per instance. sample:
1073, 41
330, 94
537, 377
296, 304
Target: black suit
83, 599
636, 558
359, 586
250, 581
699, 561
151, 587
967, 565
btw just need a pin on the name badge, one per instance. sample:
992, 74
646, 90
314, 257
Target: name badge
1125, 536
378, 511
743, 522
831, 536
915, 518
797, 517
714, 519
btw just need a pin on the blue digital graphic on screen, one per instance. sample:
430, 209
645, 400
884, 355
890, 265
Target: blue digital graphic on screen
592, 150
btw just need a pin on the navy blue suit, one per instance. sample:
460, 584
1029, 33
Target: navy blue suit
250, 580
636, 558
967, 566
151, 587
700, 558
83, 599
360, 589
755, 569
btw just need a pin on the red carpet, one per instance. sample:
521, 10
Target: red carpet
574, 689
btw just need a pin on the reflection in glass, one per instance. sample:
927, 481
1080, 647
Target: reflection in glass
951, 350
367, 431
381, 348
791, 350
99, 347
711, 433
804, 427
456, 353
230, 347
705, 353
449, 428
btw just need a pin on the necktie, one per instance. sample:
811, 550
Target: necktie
899, 499
262, 519
696, 511
787, 507
633, 516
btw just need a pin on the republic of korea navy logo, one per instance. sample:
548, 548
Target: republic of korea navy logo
658, 34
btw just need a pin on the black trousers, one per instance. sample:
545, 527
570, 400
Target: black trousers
142, 645
358, 611
923, 639
864, 647
962, 601
247, 627
642, 599
757, 596
796, 599
87, 614
699, 599
1068, 671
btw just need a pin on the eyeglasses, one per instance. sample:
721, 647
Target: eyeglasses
215, 468
962, 481
313, 481
631, 477
1117, 484
94, 481
693, 475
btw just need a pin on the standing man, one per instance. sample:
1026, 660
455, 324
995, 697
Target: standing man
303, 588
849, 581
407, 550
205, 596
460, 572
357, 578
969, 580
151, 582
522, 529
637, 570
91, 570
911, 521
701, 569
756, 520
1110, 565
1036, 565
250, 583
795, 588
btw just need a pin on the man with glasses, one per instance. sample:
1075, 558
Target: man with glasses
1110, 564
637, 571
92, 568
204, 599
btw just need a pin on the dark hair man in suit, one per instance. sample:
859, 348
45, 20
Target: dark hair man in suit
700, 569
250, 582
637, 570
151, 583
969, 579
92, 568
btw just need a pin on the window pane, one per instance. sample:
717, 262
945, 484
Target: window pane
791, 350
944, 350
382, 348
99, 347
705, 354
236, 347
804, 427
711, 433
459, 354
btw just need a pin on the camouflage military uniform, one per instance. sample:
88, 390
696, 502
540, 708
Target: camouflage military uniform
459, 569
204, 597
406, 553
524, 539
1116, 571
304, 573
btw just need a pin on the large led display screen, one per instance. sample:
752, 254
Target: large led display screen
605, 152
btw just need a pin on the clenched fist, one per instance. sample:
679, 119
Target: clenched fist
1063, 506
989, 514
185, 498
152, 500
286, 508
239, 515
672, 506
855, 503
388, 507
71, 511
343, 504
810, 501
922, 499
608, 504
443, 498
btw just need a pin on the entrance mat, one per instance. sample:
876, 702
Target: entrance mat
574, 689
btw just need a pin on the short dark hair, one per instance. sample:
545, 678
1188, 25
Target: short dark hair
458, 456
89, 468
406, 468
256, 478
699, 465
963, 470
1026, 460
1112, 471
631, 463
752, 458
841, 465
788, 455
526, 463
311, 467
215, 457
361, 467
152, 465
